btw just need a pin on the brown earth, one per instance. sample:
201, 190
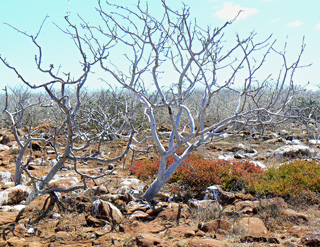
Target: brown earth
109, 214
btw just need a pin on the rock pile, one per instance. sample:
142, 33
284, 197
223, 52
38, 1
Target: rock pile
97, 217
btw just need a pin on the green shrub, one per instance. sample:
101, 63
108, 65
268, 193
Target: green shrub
14, 151
291, 180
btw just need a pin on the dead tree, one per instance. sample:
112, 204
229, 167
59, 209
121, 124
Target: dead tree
173, 56
16, 118
73, 125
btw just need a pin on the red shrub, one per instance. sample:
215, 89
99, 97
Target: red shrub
232, 175
145, 169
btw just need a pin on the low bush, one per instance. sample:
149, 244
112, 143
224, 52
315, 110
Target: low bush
145, 169
297, 179
234, 176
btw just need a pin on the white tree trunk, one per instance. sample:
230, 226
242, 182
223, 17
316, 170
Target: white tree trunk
153, 189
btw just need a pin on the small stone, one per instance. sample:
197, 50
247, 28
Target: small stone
141, 227
92, 221
206, 243
135, 193
134, 206
184, 230
15, 241
252, 239
7, 217
56, 216
250, 226
245, 207
289, 243
214, 225
133, 183
107, 211
20, 229
311, 240
297, 231
14, 195
204, 204
4, 147
154, 210
140, 215
189, 234
175, 213
150, 240
293, 215
125, 189
292, 151
222, 232
314, 142
32, 230
103, 231
200, 233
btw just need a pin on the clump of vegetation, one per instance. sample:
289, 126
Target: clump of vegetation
295, 180
145, 169
234, 176
14, 151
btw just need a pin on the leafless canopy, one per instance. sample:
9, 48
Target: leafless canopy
175, 57
64, 93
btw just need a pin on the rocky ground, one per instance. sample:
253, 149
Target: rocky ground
110, 212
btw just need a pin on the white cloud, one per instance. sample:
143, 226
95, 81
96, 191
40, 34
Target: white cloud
318, 26
295, 24
230, 11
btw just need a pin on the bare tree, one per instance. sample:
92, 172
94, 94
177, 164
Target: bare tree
74, 129
174, 56
16, 119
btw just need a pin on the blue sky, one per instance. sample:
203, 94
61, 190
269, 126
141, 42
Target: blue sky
287, 20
